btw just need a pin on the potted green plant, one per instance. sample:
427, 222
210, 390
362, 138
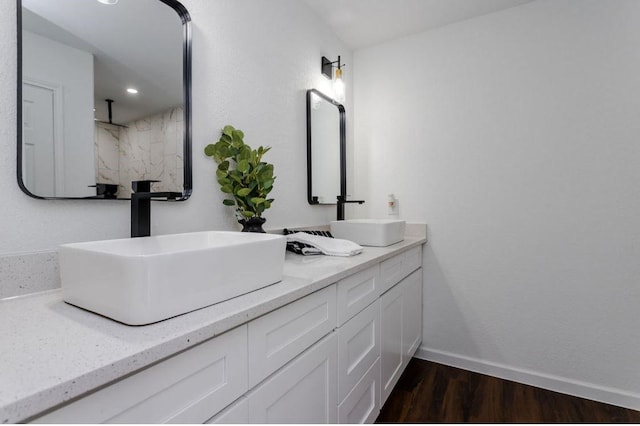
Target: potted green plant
243, 176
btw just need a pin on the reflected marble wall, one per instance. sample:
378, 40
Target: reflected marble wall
149, 148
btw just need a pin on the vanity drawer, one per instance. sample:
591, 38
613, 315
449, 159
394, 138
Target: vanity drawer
356, 292
395, 269
303, 391
358, 348
187, 388
362, 405
281, 335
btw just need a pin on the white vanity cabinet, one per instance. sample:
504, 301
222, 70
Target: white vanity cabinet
331, 356
375, 343
401, 329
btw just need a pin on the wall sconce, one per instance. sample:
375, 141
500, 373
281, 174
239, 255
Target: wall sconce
338, 83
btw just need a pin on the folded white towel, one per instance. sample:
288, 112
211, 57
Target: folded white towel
328, 246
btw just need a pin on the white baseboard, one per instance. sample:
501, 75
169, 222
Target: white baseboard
555, 383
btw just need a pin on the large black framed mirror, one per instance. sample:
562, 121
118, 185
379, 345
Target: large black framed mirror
326, 149
104, 97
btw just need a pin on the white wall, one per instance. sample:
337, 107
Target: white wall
57, 65
515, 137
252, 64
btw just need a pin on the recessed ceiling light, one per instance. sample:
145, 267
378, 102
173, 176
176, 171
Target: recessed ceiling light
132, 90
109, 2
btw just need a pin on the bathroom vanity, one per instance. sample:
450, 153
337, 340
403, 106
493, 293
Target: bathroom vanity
326, 344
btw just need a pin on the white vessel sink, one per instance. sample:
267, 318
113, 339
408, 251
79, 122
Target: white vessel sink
143, 280
369, 232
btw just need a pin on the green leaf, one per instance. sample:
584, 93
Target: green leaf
223, 166
243, 192
257, 200
236, 178
267, 172
245, 153
247, 214
228, 202
243, 166
237, 135
209, 150
221, 173
267, 184
227, 189
228, 130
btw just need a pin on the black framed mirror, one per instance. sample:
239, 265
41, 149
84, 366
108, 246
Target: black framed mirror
326, 149
104, 97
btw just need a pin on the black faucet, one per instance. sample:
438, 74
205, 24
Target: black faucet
141, 206
342, 200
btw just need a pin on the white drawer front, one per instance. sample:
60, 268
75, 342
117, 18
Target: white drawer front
236, 413
188, 388
357, 292
358, 348
304, 391
362, 405
279, 336
395, 269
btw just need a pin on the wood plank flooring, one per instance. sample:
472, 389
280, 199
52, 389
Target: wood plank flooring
433, 393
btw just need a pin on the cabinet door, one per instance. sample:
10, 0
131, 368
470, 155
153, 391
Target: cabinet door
391, 333
304, 391
358, 347
412, 310
281, 335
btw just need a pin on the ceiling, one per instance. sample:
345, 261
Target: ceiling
364, 23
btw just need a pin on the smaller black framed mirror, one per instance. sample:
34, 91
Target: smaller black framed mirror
103, 100
326, 149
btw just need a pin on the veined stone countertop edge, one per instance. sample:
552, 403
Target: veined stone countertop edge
54, 352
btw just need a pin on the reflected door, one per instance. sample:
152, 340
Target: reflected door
38, 139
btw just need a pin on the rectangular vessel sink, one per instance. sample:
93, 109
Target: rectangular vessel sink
144, 280
369, 232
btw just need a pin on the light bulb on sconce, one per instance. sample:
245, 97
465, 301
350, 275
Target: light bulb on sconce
338, 82
338, 87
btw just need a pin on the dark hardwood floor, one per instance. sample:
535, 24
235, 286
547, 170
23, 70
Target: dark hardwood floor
433, 393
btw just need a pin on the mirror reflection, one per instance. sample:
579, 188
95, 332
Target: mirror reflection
325, 137
105, 97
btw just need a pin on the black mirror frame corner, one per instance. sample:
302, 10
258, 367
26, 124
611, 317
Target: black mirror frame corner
186, 77
343, 147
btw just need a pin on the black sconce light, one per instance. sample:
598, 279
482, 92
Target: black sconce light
338, 83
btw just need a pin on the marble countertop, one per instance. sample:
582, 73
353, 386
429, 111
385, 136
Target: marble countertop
53, 352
